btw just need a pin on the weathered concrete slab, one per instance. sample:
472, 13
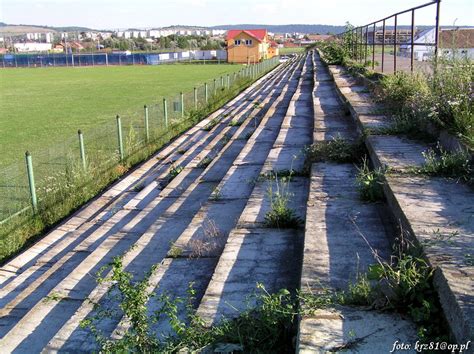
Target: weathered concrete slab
395, 152
141, 217
252, 256
254, 153
299, 121
207, 233
333, 126
352, 330
239, 181
285, 158
294, 137
440, 214
374, 122
335, 218
259, 203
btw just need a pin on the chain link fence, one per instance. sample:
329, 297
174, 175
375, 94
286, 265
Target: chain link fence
73, 171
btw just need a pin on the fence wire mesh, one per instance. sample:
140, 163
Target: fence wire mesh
59, 169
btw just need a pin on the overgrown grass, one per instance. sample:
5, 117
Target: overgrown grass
452, 165
443, 98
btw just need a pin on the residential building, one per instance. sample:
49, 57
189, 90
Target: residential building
273, 50
32, 47
247, 46
402, 35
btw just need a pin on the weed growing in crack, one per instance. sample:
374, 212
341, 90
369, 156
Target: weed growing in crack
273, 175
211, 124
204, 162
139, 187
174, 171
226, 138
370, 183
216, 194
281, 216
337, 150
235, 123
182, 151
175, 251
209, 241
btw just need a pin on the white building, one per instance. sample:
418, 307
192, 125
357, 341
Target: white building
32, 47
459, 41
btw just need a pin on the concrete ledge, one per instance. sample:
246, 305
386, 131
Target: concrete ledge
352, 330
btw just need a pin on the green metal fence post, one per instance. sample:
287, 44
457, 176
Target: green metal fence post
228, 81
222, 81
31, 181
195, 98
206, 92
165, 112
119, 136
147, 131
182, 104
81, 149
215, 86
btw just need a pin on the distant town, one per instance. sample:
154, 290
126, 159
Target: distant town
179, 38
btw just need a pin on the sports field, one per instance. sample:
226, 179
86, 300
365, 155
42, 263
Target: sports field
40, 107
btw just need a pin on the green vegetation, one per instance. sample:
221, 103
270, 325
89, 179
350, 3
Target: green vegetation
204, 162
337, 150
442, 98
174, 171
280, 215
404, 285
370, 182
42, 107
296, 50
453, 165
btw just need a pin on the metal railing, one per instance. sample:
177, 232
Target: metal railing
361, 39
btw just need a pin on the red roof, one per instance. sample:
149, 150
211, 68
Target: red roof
256, 33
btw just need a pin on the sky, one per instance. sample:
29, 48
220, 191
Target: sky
114, 14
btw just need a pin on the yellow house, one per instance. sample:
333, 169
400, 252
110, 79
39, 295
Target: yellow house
247, 46
273, 50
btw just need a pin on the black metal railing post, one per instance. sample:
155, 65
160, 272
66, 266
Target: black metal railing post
395, 45
412, 51
383, 44
373, 48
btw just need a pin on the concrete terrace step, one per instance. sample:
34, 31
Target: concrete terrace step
113, 233
253, 253
108, 199
207, 232
343, 237
438, 213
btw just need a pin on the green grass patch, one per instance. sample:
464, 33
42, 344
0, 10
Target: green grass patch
296, 50
41, 107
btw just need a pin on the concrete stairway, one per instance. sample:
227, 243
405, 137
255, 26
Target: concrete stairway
436, 213
46, 291
254, 253
343, 236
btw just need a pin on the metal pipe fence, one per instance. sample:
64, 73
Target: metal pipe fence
57, 171
394, 47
